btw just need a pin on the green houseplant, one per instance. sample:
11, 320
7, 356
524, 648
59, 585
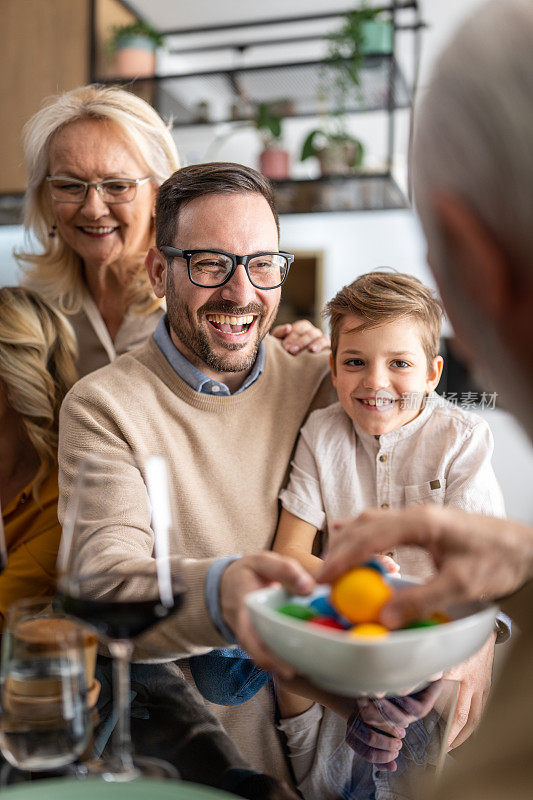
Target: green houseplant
338, 152
133, 47
273, 159
267, 121
363, 31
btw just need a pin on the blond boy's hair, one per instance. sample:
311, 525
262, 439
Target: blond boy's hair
382, 297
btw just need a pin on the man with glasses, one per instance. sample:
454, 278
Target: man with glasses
223, 403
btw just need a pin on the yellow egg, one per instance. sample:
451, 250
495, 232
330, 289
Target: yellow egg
360, 594
368, 629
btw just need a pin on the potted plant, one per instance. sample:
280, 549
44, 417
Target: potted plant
362, 32
133, 47
274, 159
338, 152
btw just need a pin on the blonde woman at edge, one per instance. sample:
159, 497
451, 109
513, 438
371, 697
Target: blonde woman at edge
37, 354
95, 158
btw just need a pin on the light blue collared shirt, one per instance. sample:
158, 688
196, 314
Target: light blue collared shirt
204, 385
193, 376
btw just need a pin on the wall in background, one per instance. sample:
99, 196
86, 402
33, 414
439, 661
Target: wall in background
45, 49
357, 243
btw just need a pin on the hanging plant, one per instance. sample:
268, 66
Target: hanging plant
348, 47
123, 35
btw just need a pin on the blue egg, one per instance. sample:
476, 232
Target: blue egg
373, 563
323, 606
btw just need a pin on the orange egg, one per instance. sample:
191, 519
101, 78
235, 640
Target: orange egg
368, 629
360, 594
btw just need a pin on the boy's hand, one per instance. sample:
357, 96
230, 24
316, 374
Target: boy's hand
301, 335
388, 720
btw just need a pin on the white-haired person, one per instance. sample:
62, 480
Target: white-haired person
37, 368
472, 172
95, 157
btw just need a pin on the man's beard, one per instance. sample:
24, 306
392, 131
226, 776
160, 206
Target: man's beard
187, 329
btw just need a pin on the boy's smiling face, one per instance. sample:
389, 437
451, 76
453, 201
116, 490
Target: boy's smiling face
382, 374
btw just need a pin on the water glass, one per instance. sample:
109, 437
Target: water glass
45, 722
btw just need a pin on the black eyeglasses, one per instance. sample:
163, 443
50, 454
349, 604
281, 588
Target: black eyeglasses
211, 268
112, 190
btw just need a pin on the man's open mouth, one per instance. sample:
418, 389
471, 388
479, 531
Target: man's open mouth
225, 323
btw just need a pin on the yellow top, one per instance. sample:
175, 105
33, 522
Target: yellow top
32, 540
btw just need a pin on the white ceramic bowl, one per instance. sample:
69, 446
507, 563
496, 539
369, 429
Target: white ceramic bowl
400, 662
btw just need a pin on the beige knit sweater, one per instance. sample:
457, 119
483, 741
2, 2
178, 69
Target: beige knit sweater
228, 459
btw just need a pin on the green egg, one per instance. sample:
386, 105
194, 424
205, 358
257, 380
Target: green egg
422, 623
297, 611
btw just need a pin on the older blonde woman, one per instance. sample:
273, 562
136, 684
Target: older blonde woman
95, 158
37, 354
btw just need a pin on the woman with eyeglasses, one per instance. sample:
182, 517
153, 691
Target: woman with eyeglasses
37, 355
95, 158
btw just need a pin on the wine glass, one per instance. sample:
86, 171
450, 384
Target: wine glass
120, 601
47, 664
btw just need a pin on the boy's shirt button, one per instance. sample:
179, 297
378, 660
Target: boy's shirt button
383, 457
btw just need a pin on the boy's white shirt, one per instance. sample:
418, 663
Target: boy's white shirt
443, 456
338, 471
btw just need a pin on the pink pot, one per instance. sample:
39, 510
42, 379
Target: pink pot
274, 163
134, 62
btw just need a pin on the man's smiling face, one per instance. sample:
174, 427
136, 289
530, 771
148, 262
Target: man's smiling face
212, 326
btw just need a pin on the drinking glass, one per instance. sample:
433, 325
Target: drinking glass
120, 601
46, 718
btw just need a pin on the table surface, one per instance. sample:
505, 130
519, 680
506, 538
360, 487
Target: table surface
91, 788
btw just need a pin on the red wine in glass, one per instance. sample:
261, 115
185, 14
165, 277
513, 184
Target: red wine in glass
120, 619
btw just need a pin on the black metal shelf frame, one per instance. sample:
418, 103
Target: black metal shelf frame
264, 82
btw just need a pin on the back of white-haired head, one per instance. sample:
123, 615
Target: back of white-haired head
474, 127
473, 139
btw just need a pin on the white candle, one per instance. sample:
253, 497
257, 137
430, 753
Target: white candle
157, 485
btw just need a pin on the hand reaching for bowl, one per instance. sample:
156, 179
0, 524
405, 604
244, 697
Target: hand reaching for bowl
476, 557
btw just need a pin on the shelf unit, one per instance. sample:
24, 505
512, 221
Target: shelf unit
179, 94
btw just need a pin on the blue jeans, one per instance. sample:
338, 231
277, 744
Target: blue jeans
227, 677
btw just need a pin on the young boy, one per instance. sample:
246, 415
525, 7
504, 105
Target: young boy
390, 441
